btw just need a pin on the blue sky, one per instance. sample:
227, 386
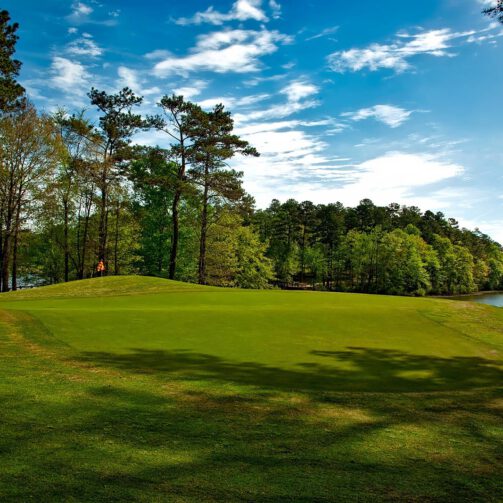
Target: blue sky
395, 101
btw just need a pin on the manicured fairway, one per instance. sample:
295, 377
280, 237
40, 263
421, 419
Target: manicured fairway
144, 389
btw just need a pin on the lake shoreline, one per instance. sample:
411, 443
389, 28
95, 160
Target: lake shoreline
475, 294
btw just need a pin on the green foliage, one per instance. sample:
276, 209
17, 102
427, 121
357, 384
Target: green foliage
254, 269
495, 10
393, 249
235, 254
11, 92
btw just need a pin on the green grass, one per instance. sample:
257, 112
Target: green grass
141, 389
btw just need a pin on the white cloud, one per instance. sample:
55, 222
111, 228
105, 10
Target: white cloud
276, 9
84, 46
130, 78
228, 51
158, 54
388, 114
286, 158
299, 90
69, 76
303, 172
81, 14
72, 30
81, 9
323, 33
264, 127
190, 91
241, 10
395, 175
298, 95
232, 102
395, 56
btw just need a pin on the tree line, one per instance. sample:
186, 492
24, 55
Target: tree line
78, 198
377, 249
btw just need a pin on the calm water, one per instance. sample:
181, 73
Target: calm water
493, 299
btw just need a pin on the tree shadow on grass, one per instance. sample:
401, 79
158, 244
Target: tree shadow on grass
172, 426
114, 443
362, 369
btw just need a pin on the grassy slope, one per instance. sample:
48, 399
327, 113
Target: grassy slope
144, 389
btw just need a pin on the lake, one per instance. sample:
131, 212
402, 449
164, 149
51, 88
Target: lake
493, 299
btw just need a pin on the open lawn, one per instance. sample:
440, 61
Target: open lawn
142, 389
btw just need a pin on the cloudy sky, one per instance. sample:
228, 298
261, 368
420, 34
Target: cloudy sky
394, 101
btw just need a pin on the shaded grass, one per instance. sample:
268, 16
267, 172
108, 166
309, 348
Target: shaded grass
295, 415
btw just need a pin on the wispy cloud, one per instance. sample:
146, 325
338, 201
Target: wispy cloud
299, 96
303, 172
190, 91
84, 46
233, 102
275, 8
242, 10
324, 33
390, 115
69, 76
395, 175
228, 51
81, 9
130, 78
289, 158
82, 13
265, 127
396, 55
158, 54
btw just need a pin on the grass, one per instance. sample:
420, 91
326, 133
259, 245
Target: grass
141, 389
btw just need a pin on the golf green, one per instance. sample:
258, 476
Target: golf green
143, 389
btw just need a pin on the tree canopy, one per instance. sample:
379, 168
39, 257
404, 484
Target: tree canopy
495, 11
78, 198
11, 92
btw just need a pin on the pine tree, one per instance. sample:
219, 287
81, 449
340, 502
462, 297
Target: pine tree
495, 11
11, 92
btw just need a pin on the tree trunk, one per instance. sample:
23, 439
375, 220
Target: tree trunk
176, 203
5, 263
102, 240
1, 240
6, 253
9, 216
303, 255
85, 237
66, 245
17, 224
116, 241
83, 252
204, 230
160, 251
176, 231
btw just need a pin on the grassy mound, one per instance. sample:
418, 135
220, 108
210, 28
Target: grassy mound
145, 389
101, 287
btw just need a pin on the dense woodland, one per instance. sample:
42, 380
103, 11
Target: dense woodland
78, 195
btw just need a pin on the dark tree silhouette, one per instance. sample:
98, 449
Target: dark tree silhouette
495, 11
11, 92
